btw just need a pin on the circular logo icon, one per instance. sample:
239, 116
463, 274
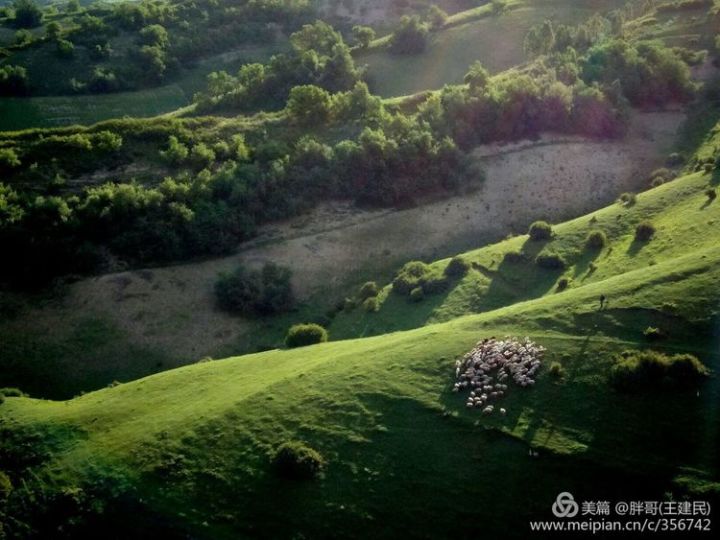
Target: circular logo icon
565, 506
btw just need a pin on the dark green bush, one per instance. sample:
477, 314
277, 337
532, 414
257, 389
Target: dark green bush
711, 194
457, 267
301, 335
540, 230
596, 240
644, 231
562, 284
635, 370
550, 261
368, 290
411, 36
296, 461
257, 292
628, 199
413, 274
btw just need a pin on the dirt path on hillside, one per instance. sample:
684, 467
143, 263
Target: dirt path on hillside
555, 178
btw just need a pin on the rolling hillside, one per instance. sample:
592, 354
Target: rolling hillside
192, 445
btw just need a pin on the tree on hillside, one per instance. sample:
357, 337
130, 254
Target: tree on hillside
27, 14
411, 37
540, 39
320, 37
436, 17
52, 31
363, 35
478, 77
309, 104
154, 35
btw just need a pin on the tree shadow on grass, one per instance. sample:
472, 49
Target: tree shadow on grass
636, 246
584, 264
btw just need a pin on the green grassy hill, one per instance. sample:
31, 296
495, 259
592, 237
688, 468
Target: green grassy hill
680, 211
192, 445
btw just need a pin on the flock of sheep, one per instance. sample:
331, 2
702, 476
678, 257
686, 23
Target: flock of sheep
493, 363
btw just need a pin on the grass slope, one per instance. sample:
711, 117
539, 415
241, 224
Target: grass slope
193, 443
680, 210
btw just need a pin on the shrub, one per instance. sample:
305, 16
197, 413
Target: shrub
563, 284
363, 35
641, 369
296, 461
258, 292
556, 370
457, 267
656, 182
550, 261
371, 304
413, 274
417, 294
27, 14
627, 199
9, 158
176, 152
411, 37
711, 194
202, 155
644, 231
540, 230
368, 290
653, 334
596, 240
301, 335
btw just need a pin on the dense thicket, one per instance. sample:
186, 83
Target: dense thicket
144, 43
328, 145
319, 57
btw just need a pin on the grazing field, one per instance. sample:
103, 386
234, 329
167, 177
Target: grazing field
54, 111
381, 412
173, 309
496, 41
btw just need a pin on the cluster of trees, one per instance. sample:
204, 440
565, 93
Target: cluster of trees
411, 37
206, 212
319, 57
520, 105
255, 292
154, 38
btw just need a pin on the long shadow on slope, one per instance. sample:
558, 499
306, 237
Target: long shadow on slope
516, 279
